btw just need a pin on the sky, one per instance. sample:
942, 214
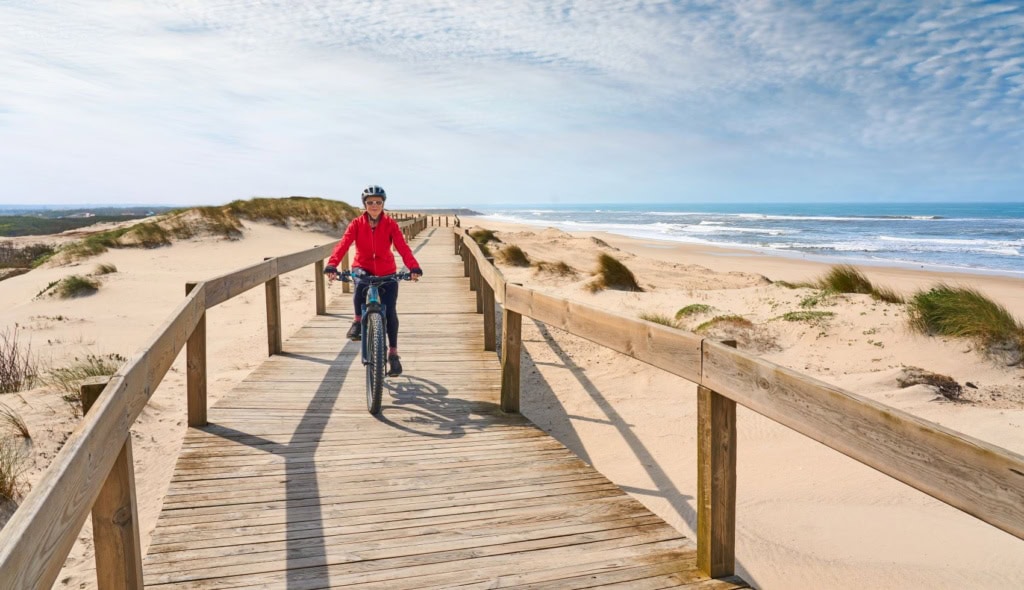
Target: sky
474, 104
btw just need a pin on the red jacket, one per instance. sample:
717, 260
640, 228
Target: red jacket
373, 246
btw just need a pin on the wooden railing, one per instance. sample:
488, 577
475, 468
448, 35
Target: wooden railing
979, 478
93, 472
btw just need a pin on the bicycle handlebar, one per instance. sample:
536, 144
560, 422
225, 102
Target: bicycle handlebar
348, 276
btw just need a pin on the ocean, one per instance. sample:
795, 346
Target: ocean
983, 238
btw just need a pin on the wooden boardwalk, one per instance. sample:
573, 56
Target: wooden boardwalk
293, 485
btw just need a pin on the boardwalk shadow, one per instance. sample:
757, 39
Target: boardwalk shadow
305, 551
561, 420
423, 407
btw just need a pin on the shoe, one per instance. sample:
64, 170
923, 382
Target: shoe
394, 366
355, 333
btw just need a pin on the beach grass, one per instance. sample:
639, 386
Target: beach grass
845, 278
728, 320
964, 312
104, 269
559, 268
17, 367
807, 316
613, 274
483, 236
76, 286
12, 465
514, 256
69, 379
693, 309
282, 211
659, 318
14, 421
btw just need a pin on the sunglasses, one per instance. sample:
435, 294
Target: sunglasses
374, 203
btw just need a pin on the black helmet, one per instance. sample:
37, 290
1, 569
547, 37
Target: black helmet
374, 191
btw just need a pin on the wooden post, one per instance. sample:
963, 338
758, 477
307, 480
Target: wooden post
474, 282
716, 482
490, 327
465, 262
273, 290
321, 288
511, 347
115, 514
346, 287
195, 368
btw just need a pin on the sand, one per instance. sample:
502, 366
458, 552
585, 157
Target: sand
808, 517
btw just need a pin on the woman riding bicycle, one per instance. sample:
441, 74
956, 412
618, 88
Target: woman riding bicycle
373, 233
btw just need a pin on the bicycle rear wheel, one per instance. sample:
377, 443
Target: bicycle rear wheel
376, 354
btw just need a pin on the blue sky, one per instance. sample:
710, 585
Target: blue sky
479, 104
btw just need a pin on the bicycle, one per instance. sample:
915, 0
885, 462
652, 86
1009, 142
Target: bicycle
374, 333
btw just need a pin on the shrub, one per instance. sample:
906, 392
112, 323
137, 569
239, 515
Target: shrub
692, 309
964, 312
556, 268
732, 320
14, 421
69, 379
514, 256
104, 269
658, 318
76, 286
30, 256
612, 274
17, 370
12, 465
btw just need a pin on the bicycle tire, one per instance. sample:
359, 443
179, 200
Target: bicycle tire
376, 353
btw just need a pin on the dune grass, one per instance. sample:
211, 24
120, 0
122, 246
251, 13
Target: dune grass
104, 269
76, 286
483, 236
659, 318
807, 316
729, 320
17, 368
845, 278
612, 274
559, 268
964, 312
693, 309
69, 379
513, 255
12, 465
282, 211
14, 422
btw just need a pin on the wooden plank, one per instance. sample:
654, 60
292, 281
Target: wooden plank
981, 479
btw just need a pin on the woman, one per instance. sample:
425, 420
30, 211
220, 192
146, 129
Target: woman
373, 233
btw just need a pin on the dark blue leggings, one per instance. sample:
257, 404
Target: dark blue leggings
389, 299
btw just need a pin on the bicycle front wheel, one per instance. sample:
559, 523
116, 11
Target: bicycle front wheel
377, 356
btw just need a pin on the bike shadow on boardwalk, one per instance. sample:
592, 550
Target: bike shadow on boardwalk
303, 511
420, 406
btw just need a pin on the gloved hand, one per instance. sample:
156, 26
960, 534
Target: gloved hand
415, 273
331, 272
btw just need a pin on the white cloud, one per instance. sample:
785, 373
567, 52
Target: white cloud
221, 100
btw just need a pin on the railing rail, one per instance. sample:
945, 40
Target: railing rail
979, 478
92, 473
